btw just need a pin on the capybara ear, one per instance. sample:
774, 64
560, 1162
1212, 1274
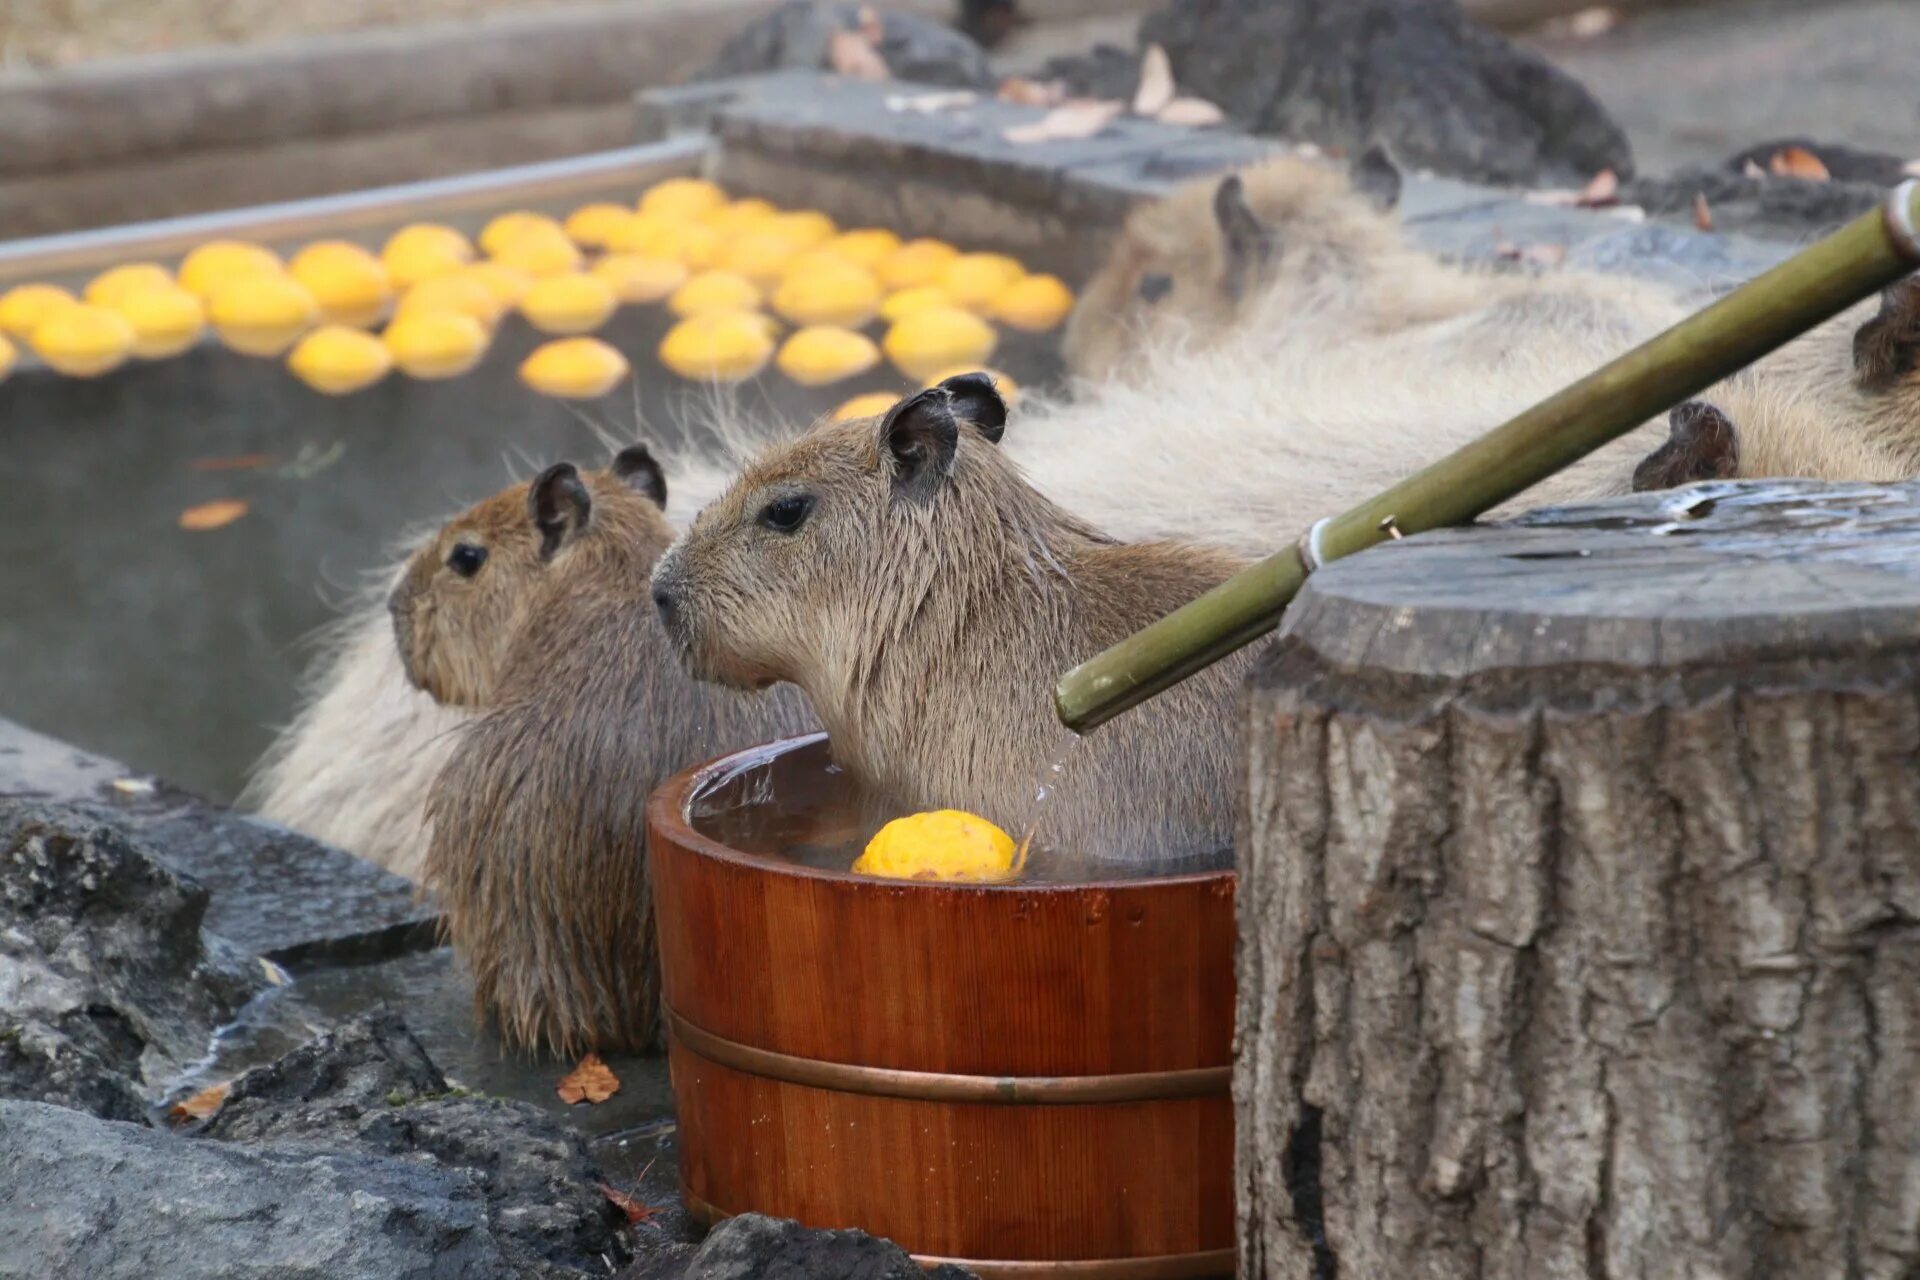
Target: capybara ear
635, 465
976, 400
921, 435
559, 506
1885, 347
1246, 243
1701, 445
1375, 176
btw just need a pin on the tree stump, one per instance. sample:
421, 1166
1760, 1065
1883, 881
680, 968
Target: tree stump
1579, 898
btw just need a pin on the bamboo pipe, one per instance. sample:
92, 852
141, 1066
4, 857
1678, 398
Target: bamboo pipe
1814, 285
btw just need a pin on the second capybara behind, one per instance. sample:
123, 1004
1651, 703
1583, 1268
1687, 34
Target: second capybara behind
925, 597
534, 605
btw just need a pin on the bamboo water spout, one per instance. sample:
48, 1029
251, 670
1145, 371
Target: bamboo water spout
1807, 289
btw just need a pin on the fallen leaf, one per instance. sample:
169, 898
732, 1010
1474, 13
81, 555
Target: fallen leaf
630, 1205
1797, 162
1752, 170
1602, 191
213, 515
1081, 119
133, 786
1595, 20
1702, 215
850, 54
591, 1081
1032, 93
202, 1104
946, 100
1156, 82
240, 462
1194, 113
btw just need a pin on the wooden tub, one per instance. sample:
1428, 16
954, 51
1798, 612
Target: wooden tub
1030, 1080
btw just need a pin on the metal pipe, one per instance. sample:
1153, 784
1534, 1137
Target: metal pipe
1814, 285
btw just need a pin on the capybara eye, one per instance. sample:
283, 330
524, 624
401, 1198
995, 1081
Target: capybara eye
1155, 286
785, 515
465, 559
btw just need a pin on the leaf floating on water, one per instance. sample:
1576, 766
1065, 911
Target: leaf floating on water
635, 1209
851, 54
1798, 162
1602, 191
1193, 113
591, 1081
213, 515
202, 1104
1081, 119
1031, 93
1702, 215
1156, 82
239, 462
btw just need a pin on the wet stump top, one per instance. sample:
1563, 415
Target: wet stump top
1580, 898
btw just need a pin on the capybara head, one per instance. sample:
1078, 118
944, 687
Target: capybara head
826, 548
1196, 259
468, 591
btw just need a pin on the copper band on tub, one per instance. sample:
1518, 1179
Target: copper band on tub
937, 1086
1166, 1266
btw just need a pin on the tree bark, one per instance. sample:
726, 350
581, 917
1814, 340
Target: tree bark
1579, 885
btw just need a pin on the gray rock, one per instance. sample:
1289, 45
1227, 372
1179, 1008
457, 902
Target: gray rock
369, 1088
88, 1199
795, 37
753, 1247
108, 985
1793, 208
1443, 93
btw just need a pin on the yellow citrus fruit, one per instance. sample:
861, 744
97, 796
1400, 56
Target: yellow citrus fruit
7, 356
682, 198
422, 250
505, 228
974, 280
740, 215
82, 340
635, 277
639, 233
761, 254
506, 284
868, 246
574, 368
868, 404
1034, 303
714, 291
828, 291
937, 338
900, 305
24, 306
916, 262
725, 346
805, 227
165, 322
262, 315
348, 284
336, 360
540, 250
1009, 389
118, 282
689, 242
820, 355
946, 844
457, 291
590, 224
214, 265
575, 303
435, 344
